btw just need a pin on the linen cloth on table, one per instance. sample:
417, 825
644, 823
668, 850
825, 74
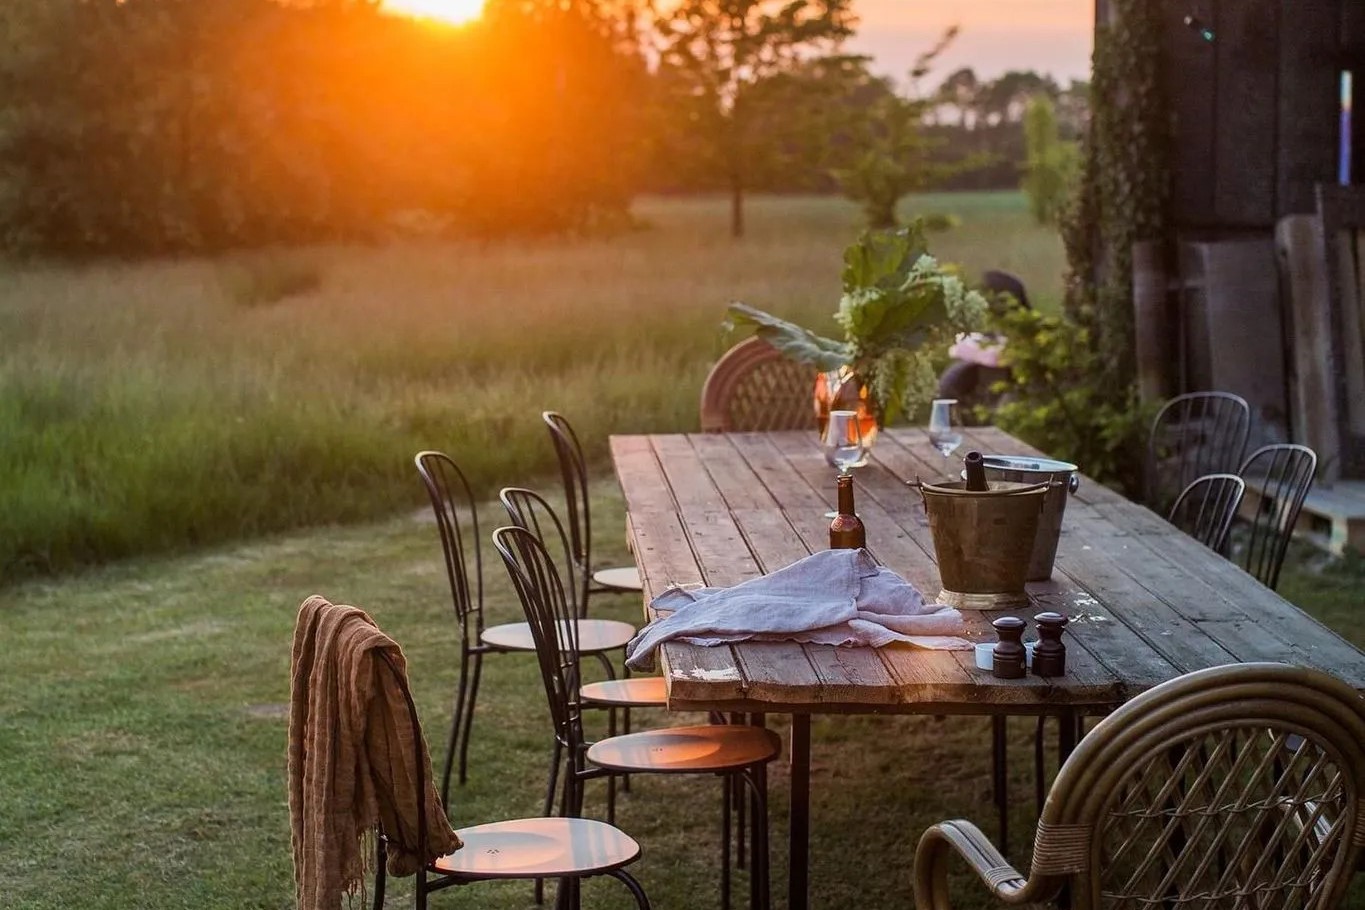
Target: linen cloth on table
833, 597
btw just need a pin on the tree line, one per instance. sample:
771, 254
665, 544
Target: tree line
144, 127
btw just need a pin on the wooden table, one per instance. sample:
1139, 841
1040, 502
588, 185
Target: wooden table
1146, 602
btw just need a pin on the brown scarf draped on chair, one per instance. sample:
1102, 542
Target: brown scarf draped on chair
351, 761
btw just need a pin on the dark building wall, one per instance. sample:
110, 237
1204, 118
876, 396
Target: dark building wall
1255, 112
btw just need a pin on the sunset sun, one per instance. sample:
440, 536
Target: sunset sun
454, 12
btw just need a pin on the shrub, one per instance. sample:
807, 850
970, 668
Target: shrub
270, 278
1061, 399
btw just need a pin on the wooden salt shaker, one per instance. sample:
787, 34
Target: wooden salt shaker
1049, 655
1007, 660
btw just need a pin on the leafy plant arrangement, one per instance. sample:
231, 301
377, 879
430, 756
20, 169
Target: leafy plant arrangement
1057, 400
900, 308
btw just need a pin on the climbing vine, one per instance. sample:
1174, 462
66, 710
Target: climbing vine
1072, 391
1122, 197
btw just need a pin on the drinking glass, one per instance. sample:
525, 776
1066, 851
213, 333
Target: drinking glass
843, 441
945, 431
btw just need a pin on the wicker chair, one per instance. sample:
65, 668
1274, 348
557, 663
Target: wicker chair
1205, 509
1282, 475
754, 387
1234, 787
1192, 435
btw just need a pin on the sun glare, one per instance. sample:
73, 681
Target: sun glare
454, 12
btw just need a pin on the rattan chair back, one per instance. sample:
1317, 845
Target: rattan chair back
1282, 474
1205, 509
452, 502
1192, 435
1229, 788
753, 386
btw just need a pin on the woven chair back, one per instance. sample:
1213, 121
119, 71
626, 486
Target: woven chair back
1236, 787
753, 387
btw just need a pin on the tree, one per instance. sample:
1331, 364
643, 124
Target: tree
712, 50
1051, 164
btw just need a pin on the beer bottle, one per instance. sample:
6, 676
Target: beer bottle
846, 530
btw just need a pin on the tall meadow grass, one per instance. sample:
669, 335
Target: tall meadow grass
150, 407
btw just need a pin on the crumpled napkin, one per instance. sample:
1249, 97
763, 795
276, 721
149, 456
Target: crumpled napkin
834, 597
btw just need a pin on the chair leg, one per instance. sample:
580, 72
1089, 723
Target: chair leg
551, 785
999, 776
756, 779
1039, 771
727, 788
456, 724
469, 716
381, 872
636, 891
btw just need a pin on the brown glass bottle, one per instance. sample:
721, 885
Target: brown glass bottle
975, 467
846, 530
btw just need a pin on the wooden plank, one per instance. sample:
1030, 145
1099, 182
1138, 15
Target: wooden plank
691, 484
638, 472
1255, 623
1244, 131
739, 486
1312, 382
663, 552
1307, 121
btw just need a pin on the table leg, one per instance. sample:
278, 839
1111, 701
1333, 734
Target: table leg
798, 896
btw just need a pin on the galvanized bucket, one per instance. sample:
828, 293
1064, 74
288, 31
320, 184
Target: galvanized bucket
983, 540
1064, 479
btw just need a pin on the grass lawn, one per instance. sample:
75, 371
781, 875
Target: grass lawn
264, 451
154, 407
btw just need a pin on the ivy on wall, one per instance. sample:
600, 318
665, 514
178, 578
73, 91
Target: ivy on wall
1124, 183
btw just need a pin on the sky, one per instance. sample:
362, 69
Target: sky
1048, 36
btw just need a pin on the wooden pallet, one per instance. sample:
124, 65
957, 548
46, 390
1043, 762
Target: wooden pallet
1333, 518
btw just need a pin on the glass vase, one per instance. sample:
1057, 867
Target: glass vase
843, 390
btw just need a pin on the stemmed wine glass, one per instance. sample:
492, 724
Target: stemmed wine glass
843, 443
945, 431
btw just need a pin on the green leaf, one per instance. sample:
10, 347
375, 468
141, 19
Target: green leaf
799, 344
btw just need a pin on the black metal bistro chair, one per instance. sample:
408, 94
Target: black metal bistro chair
1281, 476
568, 849
451, 496
727, 750
573, 467
1205, 509
1192, 435
528, 509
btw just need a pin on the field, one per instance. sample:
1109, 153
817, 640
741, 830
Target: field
158, 407
225, 457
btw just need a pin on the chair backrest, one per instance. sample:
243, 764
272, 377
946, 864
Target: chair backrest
573, 469
1205, 509
528, 509
1192, 435
451, 496
1282, 475
550, 612
753, 386
1233, 787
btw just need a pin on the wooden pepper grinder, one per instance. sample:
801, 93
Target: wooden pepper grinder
1008, 656
1049, 655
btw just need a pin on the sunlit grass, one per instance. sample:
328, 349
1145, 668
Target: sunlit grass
149, 407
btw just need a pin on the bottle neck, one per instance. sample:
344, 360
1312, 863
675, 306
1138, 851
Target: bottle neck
845, 495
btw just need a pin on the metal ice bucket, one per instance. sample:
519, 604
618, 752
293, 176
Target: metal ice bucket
1063, 479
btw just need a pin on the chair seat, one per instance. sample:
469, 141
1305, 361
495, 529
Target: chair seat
639, 692
681, 750
539, 848
593, 635
621, 578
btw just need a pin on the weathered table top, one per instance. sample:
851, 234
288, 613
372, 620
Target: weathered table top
1147, 603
